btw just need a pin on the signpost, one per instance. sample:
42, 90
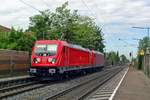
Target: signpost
141, 52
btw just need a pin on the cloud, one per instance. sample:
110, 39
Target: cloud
115, 16
105, 11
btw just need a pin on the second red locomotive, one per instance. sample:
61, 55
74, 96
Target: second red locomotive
55, 57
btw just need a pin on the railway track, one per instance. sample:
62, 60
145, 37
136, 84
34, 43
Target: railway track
15, 86
74, 89
10, 91
15, 81
107, 91
80, 91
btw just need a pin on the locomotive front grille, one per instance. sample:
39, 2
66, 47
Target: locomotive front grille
44, 60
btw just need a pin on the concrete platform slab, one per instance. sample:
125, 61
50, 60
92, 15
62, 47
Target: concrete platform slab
135, 86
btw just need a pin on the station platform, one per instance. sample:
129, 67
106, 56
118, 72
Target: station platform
14, 78
135, 86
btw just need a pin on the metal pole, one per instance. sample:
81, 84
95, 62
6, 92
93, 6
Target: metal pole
148, 31
148, 44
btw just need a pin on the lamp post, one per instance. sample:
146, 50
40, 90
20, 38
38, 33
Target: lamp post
147, 62
147, 28
146, 54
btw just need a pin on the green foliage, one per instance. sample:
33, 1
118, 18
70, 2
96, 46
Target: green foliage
123, 59
77, 29
16, 40
144, 43
112, 57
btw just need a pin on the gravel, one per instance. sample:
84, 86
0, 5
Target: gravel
40, 93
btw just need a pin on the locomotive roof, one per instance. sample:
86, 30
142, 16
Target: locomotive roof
67, 44
98, 52
78, 47
50, 41
63, 43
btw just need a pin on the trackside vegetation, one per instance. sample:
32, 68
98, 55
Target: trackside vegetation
142, 60
113, 58
62, 24
16, 40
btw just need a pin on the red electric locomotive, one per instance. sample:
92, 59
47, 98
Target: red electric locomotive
55, 57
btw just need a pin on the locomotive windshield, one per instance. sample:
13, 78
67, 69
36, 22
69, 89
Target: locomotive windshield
45, 49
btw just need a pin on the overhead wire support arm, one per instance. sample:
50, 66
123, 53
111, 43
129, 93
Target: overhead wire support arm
148, 28
139, 27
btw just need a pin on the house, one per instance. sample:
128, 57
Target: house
4, 29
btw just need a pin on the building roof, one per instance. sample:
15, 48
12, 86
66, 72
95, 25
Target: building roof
4, 29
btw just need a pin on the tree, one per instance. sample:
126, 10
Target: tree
17, 40
76, 29
113, 57
123, 59
144, 44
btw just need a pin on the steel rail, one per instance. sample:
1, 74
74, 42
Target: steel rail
65, 92
21, 89
13, 82
98, 85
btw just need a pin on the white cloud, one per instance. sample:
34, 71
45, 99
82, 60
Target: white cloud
105, 11
116, 16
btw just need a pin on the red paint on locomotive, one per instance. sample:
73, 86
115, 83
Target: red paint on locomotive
63, 56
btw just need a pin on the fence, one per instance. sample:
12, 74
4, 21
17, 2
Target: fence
13, 62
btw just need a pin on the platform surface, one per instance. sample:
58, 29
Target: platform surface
135, 86
13, 78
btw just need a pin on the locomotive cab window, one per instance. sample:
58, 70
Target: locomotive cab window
45, 49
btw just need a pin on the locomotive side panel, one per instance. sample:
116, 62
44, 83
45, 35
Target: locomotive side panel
78, 57
99, 60
62, 57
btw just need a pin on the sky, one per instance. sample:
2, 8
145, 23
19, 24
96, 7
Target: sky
116, 18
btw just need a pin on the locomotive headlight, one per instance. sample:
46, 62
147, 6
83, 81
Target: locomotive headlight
53, 60
49, 59
37, 60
